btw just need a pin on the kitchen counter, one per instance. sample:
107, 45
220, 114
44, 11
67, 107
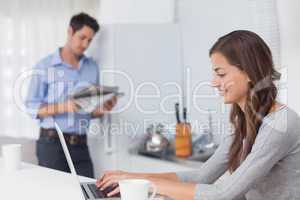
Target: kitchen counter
190, 162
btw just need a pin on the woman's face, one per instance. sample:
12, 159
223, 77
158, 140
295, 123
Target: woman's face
231, 82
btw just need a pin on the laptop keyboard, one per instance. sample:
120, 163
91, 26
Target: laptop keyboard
98, 194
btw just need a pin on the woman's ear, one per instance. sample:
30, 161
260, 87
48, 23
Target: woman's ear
250, 83
248, 79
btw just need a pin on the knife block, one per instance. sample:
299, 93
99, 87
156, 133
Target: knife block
183, 140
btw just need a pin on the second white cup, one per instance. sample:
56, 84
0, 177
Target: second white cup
136, 189
11, 154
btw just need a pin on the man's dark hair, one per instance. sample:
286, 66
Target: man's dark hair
83, 19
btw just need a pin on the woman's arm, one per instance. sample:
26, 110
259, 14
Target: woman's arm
167, 183
167, 176
208, 173
111, 177
174, 189
213, 168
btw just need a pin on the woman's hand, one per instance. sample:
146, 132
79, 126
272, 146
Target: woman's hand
111, 178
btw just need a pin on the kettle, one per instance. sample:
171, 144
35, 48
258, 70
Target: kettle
155, 141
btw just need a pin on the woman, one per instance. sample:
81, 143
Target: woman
263, 153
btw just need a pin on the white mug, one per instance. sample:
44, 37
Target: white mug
11, 154
136, 189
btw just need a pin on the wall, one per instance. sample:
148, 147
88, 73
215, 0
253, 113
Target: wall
289, 17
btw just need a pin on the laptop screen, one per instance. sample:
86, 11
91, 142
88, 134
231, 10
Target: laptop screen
67, 154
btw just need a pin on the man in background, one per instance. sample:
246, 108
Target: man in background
55, 77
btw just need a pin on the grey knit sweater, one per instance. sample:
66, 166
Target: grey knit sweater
270, 172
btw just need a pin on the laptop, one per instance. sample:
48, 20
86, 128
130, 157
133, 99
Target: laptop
88, 189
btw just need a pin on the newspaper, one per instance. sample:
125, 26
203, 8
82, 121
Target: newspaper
89, 98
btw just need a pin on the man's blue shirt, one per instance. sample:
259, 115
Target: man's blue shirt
52, 82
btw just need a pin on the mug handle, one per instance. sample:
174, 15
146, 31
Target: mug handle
154, 191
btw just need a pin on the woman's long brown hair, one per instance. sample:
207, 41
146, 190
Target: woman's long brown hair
247, 51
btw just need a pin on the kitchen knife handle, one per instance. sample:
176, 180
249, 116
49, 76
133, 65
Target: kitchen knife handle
177, 113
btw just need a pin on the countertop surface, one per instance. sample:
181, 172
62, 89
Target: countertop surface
192, 162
